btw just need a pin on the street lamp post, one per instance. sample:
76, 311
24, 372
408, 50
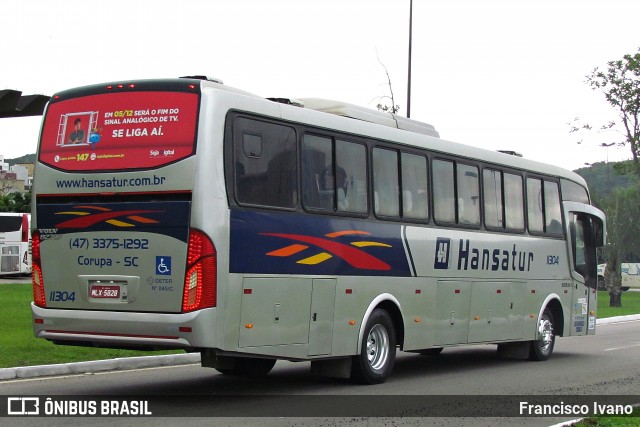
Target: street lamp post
605, 145
409, 67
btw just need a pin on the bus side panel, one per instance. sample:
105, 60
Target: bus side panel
302, 265
275, 311
293, 244
491, 285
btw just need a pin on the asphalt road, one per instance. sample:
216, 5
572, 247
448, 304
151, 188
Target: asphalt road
465, 379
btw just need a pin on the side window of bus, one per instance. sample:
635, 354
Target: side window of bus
351, 159
543, 207
334, 175
534, 205
386, 192
493, 213
574, 192
553, 213
513, 202
468, 195
265, 161
317, 172
443, 191
415, 185
580, 247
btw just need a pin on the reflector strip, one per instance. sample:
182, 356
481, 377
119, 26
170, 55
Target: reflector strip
105, 334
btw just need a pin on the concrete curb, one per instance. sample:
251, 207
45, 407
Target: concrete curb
126, 363
94, 366
618, 319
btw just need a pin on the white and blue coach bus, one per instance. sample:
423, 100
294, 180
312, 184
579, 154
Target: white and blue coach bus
187, 214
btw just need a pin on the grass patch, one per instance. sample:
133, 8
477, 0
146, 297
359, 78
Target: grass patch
18, 346
632, 420
630, 305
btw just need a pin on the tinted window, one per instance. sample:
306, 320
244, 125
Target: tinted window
574, 192
10, 223
443, 191
492, 181
553, 214
385, 182
415, 184
351, 159
513, 202
339, 185
317, 172
265, 164
468, 195
534, 205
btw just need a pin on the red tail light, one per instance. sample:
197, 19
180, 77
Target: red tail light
25, 228
36, 271
200, 285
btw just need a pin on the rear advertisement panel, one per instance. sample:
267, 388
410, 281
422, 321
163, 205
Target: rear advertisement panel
119, 131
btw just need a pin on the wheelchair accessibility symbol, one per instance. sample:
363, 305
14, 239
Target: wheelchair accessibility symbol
163, 265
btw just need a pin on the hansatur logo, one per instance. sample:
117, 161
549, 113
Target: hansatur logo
443, 246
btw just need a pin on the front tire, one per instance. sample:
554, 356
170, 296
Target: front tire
378, 351
542, 346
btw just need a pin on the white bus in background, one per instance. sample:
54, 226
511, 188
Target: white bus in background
630, 272
15, 243
187, 214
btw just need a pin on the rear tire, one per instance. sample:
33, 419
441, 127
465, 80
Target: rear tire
378, 351
542, 346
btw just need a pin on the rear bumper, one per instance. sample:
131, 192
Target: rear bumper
118, 329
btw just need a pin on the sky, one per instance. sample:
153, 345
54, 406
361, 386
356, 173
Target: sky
496, 74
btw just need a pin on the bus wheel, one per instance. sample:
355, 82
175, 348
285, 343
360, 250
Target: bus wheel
378, 351
249, 366
542, 346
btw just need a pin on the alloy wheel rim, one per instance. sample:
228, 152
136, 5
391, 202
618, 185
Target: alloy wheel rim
377, 347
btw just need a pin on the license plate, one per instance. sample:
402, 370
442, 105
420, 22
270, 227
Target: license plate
104, 291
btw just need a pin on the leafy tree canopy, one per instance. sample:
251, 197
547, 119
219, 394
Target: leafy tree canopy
16, 202
619, 81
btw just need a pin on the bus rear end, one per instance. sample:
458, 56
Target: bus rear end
115, 261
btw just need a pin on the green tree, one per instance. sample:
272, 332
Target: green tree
15, 202
620, 84
623, 227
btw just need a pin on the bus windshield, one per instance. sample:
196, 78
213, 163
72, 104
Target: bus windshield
119, 128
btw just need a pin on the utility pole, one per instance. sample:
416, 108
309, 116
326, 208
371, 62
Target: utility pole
409, 67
